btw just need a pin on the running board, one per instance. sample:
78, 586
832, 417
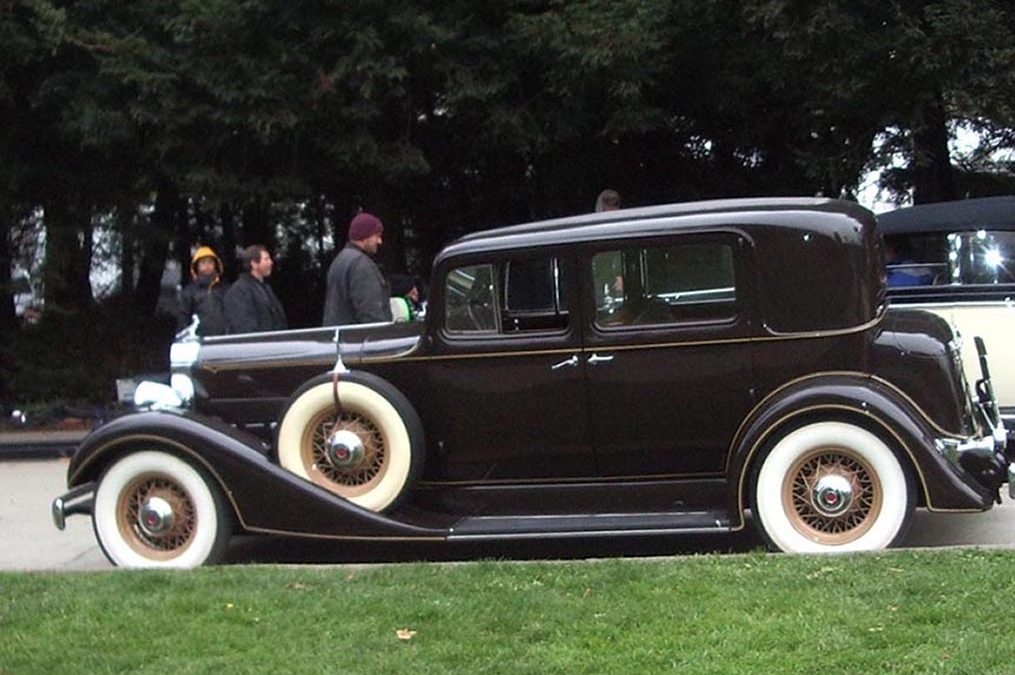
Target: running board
589, 525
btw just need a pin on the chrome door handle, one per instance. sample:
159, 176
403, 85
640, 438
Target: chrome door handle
573, 361
596, 358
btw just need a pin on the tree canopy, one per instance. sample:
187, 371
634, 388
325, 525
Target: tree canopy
153, 126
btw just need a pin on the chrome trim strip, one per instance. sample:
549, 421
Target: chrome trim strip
293, 331
973, 304
590, 534
589, 480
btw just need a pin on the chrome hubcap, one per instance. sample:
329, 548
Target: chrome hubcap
156, 517
345, 450
832, 495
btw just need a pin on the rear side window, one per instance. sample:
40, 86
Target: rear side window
665, 284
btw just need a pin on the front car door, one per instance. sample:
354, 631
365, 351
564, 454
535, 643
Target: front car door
667, 352
506, 371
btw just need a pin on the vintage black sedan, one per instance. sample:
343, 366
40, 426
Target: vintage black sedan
651, 371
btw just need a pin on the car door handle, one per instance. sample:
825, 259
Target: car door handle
573, 361
596, 358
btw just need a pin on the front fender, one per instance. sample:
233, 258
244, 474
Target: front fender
870, 402
265, 497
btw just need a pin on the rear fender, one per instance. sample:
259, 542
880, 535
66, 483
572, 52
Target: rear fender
868, 402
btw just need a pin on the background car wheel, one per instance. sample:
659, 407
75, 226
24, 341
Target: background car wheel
370, 453
830, 487
152, 509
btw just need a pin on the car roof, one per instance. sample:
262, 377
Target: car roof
985, 213
636, 221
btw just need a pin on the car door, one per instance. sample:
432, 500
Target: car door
505, 368
667, 350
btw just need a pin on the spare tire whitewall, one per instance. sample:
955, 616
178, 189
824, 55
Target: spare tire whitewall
832, 487
385, 433
153, 509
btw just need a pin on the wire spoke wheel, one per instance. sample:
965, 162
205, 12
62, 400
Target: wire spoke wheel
368, 449
832, 487
830, 516
345, 480
173, 535
153, 509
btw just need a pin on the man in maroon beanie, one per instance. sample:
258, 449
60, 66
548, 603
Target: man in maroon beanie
356, 290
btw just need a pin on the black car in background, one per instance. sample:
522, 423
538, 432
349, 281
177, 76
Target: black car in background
957, 259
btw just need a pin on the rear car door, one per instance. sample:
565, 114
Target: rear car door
667, 349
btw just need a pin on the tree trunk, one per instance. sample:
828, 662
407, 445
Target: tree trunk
155, 249
184, 240
125, 217
7, 317
933, 180
256, 226
228, 252
68, 256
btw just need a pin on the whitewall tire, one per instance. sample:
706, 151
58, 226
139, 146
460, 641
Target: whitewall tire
153, 509
384, 435
832, 487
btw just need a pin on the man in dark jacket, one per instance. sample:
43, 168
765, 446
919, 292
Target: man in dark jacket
357, 291
251, 305
205, 295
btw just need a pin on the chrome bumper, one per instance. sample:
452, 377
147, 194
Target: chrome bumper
77, 501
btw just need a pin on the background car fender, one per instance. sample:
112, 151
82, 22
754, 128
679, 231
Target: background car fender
264, 497
871, 403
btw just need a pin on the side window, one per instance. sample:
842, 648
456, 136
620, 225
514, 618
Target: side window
969, 257
534, 298
658, 285
470, 300
511, 296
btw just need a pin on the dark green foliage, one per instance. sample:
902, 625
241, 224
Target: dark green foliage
68, 357
164, 124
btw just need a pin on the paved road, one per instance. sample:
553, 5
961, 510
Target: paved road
28, 540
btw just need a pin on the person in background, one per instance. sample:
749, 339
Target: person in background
901, 270
251, 305
356, 290
608, 200
204, 296
405, 298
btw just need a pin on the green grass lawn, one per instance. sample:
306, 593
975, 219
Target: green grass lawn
905, 612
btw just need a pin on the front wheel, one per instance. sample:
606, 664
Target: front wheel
152, 509
832, 487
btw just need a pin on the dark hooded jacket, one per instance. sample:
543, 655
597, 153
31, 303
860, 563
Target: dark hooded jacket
205, 297
356, 290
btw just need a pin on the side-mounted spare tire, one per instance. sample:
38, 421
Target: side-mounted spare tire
378, 454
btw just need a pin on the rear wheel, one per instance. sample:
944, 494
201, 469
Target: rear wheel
153, 509
832, 486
